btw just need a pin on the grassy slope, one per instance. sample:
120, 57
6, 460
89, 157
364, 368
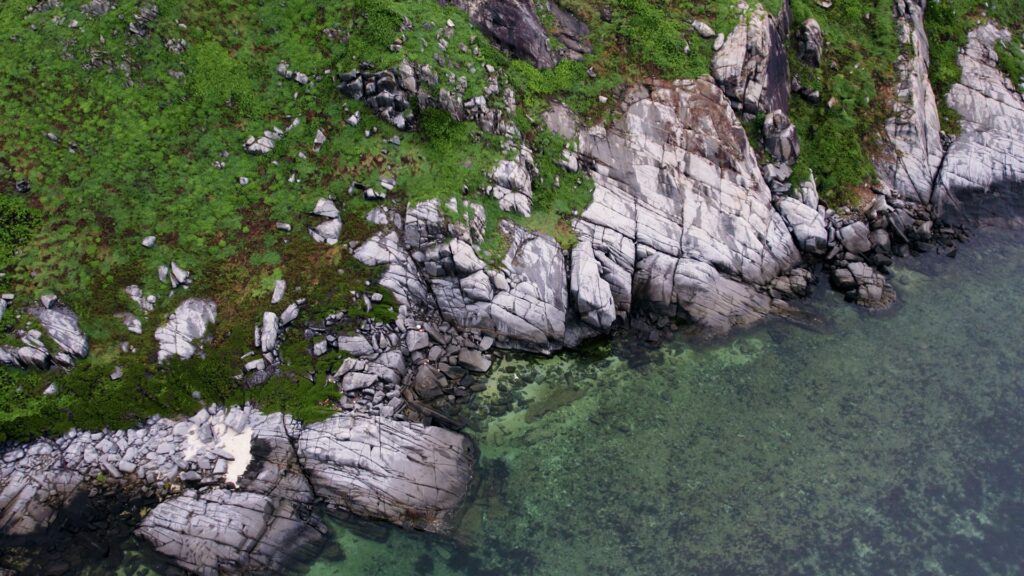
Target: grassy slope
145, 143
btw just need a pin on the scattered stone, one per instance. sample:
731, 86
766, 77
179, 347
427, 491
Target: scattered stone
279, 287
149, 241
117, 374
703, 29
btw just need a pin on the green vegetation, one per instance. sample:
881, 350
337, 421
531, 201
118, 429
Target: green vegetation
119, 137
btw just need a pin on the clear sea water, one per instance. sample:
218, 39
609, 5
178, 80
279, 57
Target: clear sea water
852, 443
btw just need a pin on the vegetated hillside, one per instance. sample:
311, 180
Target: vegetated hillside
127, 122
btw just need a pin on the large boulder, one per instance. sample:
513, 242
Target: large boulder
187, 324
752, 67
61, 323
989, 152
810, 43
404, 473
808, 226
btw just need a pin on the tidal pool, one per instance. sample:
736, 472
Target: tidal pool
861, 444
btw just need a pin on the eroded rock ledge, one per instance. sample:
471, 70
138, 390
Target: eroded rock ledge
239, 488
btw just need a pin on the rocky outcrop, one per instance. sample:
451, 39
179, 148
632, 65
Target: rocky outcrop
913, 147
60, 324
238, 494
513, 25
752, 66
407, 474
187, 324
522, 304
389, 93
682, 222
989, 152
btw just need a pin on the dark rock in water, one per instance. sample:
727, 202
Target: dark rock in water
513, 25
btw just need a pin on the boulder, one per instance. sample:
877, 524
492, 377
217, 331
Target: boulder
513, 25
855, 237
780, 138
808, 226
187, 324
61, 323
810, 43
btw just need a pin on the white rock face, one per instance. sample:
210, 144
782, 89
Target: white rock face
592, 295
682, 221
989, 151
513, 183
914, 151
404, 473
187, 324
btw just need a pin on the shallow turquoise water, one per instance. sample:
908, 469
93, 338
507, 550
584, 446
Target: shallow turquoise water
864, 444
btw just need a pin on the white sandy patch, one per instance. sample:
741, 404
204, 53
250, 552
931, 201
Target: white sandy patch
239, 445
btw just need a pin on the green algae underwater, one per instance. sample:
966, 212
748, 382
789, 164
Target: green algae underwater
872, 444
856, 444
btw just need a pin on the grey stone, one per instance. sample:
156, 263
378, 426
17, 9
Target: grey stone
474, 360
187, 324
752, 65
854, 237
279, 287
810, 43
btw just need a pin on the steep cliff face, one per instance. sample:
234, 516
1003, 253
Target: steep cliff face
989, 151
913, 150
752, 66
